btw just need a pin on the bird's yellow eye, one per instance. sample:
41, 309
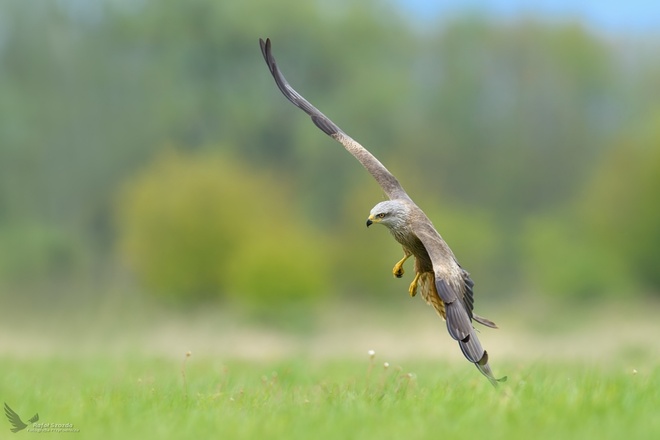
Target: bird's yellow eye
381, 215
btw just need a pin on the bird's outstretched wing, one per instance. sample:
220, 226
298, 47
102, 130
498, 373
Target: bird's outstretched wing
35, 418
385, 179
14, 419
456, 296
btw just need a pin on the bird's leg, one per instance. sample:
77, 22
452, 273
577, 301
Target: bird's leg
398, 271
412, 290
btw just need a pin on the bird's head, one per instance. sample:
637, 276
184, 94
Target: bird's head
390, 213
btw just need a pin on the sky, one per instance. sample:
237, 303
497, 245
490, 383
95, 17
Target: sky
615, 16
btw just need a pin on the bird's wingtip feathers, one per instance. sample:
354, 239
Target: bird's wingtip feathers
484, 368
319, 119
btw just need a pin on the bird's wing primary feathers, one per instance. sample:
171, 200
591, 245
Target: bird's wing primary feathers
14, 419
385, 179
468, 300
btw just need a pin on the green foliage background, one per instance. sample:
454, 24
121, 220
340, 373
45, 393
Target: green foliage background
148, 139
205, 225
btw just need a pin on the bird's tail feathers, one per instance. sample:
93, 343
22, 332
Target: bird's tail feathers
484, 321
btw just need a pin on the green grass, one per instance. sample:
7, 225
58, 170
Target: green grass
147, 397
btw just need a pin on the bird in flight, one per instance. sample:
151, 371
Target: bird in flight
15, 420
439, 278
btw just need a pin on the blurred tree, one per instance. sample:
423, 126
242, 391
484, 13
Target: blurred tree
33, 254
559, 259
207, 226
511, 104
620, 207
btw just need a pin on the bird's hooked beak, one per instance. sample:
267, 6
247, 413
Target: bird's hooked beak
370, 220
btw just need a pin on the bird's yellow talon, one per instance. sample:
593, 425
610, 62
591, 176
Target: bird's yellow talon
412, 290
398, 271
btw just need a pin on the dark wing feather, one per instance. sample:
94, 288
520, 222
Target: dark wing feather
385, 179
468, 300
14, 419
35, 418
321, 121
468, 293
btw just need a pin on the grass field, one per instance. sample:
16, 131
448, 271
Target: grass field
121, 372
151, 397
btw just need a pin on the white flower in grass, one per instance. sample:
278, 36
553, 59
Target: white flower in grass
371, 354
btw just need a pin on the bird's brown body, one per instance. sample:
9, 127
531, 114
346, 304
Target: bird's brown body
441, 281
